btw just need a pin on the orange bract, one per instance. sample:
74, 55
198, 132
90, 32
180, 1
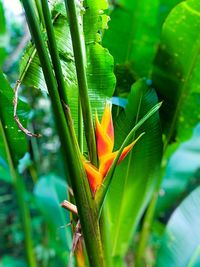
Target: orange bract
105, 144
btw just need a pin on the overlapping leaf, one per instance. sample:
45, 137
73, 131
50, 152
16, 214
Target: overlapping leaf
135, 178
101, 80
133, 34
50, 191
14, 137
176, 73
181, 173
181, 241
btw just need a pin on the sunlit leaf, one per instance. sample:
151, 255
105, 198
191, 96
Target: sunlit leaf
135, 178
182, 173
176, 73
16, 139
181, 242
133, 34
50, 191
101, 80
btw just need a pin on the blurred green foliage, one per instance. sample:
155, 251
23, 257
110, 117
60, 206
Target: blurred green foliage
157, 40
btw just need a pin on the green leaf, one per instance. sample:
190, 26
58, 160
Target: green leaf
165, 7
8, 261
176, 73
3, 34
50, 191
101, 80
135, 177
4, 167
181, 242
133, 34
15, 146
181, 174
16, 139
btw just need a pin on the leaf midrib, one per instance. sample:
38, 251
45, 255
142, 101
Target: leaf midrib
124, 186
183, 95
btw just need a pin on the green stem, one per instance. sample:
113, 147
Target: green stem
54, 52
85, 203
148, 219
39, 10
80, 127
145, 231
80, 62
105, 237
22, 204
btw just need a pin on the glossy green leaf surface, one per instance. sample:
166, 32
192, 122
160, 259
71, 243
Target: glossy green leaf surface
182, 173
15, 138
181, 241
101, 80
133, 34
135, 177
176, 73
50, 191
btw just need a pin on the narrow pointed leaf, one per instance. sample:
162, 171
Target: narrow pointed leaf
134, 179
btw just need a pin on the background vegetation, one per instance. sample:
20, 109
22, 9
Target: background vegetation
149, 53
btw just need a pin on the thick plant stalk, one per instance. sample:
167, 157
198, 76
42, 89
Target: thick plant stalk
85, 203
23, 208
80, 62
54, 51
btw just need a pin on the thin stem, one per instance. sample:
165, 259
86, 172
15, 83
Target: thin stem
22, 204
85, 203
54, 52
147, 222
105, 237
39, 10
80, 127
80, 62
145, 231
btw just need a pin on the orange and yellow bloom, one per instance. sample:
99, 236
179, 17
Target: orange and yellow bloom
105, 144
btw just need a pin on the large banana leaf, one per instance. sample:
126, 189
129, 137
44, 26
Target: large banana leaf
182, 173
181, 242
135, 177
101, 80
165, 7
176, 73
138, 24
133, 34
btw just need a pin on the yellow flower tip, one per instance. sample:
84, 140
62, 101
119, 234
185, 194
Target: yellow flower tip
104, 143
95, 178
107, 122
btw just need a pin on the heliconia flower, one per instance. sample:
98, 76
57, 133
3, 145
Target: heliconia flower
105, 132
105, 144
95, 178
